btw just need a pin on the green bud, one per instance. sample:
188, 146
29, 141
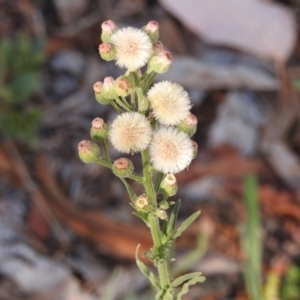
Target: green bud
168, 185
99, 130
152, 30
122, 167
123, 86
160, 62
108, 28
108, 88
98, 88
107, 51
160, 213
188, 125
164, 205
88, 151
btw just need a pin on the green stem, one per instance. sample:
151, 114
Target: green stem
114, 105
162, 261
148, 184
159, 249
105, 150
126, 103
120, 102
136, 178
104, 163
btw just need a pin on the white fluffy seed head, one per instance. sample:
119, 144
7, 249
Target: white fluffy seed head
170, 102
130, 132
171, 151
133, 48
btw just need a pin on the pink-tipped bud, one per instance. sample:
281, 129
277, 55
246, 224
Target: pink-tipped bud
108, 87
108, 28
98, 89
99, 130
122, 167
88, 151
160, 62
152, 30
158, 47
107, 51
188, 125
152, 26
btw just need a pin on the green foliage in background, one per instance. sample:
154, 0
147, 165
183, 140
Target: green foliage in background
291, 284
21, 59
251, 241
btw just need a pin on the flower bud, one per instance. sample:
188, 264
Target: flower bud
169, 185
108, 28
107, 51
99, 130
158, 47
122, 167
88, 151
142, 203
98, 88
108, 88
152, 30
164, 205
160, 62
160, 213
123, 86
188, 125
195, 149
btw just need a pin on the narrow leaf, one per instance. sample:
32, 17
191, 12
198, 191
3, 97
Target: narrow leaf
173, 218
145, 270
187, 285
185, 224
180, 280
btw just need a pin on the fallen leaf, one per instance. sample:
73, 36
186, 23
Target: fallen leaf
262, 28
195, 74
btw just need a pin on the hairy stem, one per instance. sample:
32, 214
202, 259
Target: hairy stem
159, 252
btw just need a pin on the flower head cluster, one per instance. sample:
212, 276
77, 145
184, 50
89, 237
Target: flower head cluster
158, 119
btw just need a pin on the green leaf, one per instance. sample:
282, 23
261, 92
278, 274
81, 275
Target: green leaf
187, 285
181, 279
173, 218
20, 126
185, 224
23, 86
6, 54
6, 94
145, 270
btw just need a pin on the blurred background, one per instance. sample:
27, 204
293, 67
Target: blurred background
66, 229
